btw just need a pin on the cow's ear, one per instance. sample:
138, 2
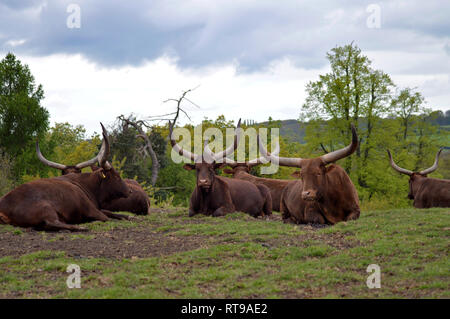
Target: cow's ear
219, 165
189, 167
329, 168
102, 173
296, 174
228, 171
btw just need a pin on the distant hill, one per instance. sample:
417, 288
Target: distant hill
294, 130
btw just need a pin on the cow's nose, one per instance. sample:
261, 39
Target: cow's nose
202, 181
306, 195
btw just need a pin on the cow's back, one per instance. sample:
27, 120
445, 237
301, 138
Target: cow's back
137, 202
433, 193
245, 195
276, 186
62, 196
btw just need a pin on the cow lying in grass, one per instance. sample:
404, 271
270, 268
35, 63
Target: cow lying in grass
426, 191
242, 171
60, 202
325, 193
137, 202
217, 195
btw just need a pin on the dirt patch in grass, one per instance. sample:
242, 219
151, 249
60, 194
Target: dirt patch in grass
144, 240
117, 243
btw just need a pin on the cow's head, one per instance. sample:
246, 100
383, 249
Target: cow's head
67, 169
111, 186
206, 164
247, 166
238, 167
414, 177
206, 173
313, 170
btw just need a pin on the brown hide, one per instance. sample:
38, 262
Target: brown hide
275, 186
56, 203
329, 198
218, 196
429, 192
137, 203
426, 192
325, 193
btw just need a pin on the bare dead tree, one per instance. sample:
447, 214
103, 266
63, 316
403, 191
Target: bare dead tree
176, 113
147, 149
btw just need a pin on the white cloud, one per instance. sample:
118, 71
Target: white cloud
80, 92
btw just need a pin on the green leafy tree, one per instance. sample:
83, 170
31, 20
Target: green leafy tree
405, 105
22, 118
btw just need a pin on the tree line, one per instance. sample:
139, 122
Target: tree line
386, 117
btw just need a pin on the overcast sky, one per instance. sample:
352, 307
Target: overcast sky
250, 58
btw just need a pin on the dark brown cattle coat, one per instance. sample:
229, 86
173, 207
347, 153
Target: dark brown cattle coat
55, 203
227, 195
429, 192
335, 199
138, 202
275, 186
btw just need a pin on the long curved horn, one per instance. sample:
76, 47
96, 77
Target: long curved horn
46, 161
104, 152
95, 160
398, 168
283, 161
192, 156
223, 154
435, 165
262, 159
343, 152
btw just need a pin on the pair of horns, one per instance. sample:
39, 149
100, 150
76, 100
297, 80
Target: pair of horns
327, 158
408, 172
101, 157
208, 155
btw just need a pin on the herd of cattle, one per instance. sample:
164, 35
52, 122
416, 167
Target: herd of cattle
322, 192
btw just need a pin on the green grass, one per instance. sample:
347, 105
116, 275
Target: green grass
248, 258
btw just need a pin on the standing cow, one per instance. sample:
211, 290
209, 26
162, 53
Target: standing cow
216, 195
425, 191
325, 193
242, 171
59, 202
138, 202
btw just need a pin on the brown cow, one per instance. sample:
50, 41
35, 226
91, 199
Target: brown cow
325, 193
138, 202
242, 171
59, 202
216, 195
425, 191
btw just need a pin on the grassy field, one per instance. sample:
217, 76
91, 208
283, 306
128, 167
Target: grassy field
168, 255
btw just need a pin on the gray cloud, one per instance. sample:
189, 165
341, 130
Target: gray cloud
202, 33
